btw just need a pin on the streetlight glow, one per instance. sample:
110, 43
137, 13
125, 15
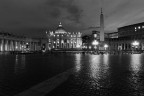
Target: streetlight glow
106, 46
78, 46
135, 43
95, 42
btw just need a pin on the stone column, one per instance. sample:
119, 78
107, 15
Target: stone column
123, 46
16, 46
34, 46
142, 46
6, 45
31, 46
9, 43
18, 43
66, 44
0, 44
21, 45
3, 45
13, 45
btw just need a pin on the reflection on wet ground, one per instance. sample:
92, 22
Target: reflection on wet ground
105, 75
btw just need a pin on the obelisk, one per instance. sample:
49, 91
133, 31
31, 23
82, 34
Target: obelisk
101, 26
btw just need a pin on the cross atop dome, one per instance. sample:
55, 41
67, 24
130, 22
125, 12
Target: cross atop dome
101, 11
60, 25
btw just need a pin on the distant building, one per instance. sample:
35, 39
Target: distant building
112, 35
127, 36
88, 40
134, 31
60, 39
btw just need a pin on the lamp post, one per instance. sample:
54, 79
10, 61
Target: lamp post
95, 43
105, 46
135, 44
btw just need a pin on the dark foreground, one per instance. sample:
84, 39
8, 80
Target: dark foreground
21, 72
93, 75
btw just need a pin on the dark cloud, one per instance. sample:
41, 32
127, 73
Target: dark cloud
74, 12
32, 17
55, 13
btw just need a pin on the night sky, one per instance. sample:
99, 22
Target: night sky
33, 17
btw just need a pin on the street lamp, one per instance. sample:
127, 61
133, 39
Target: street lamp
135, 44
95, 43
105, 46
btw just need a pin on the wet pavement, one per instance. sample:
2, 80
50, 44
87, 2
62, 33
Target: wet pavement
93, 75
113, 76
21, 72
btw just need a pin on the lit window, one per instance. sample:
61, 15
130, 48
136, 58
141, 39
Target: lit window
54, 41
142, 26
95, 35
58, 35
54, 35
71, 35
62, 35
139, 27
135, 28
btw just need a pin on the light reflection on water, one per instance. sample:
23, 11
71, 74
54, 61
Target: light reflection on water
78, 62
94, 66
20, 63
112, 74
134, 79
135, 63
98, 70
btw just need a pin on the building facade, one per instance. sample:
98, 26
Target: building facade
10, 42
112, 35
60, 39
130, 37
134, 31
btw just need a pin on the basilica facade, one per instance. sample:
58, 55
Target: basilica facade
60, 39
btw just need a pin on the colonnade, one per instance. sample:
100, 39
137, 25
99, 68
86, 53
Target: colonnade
17, 45
124, 46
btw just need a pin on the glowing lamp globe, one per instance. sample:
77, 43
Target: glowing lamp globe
95, 42
135, 43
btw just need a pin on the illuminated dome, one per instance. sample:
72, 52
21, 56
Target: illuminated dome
60, 29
